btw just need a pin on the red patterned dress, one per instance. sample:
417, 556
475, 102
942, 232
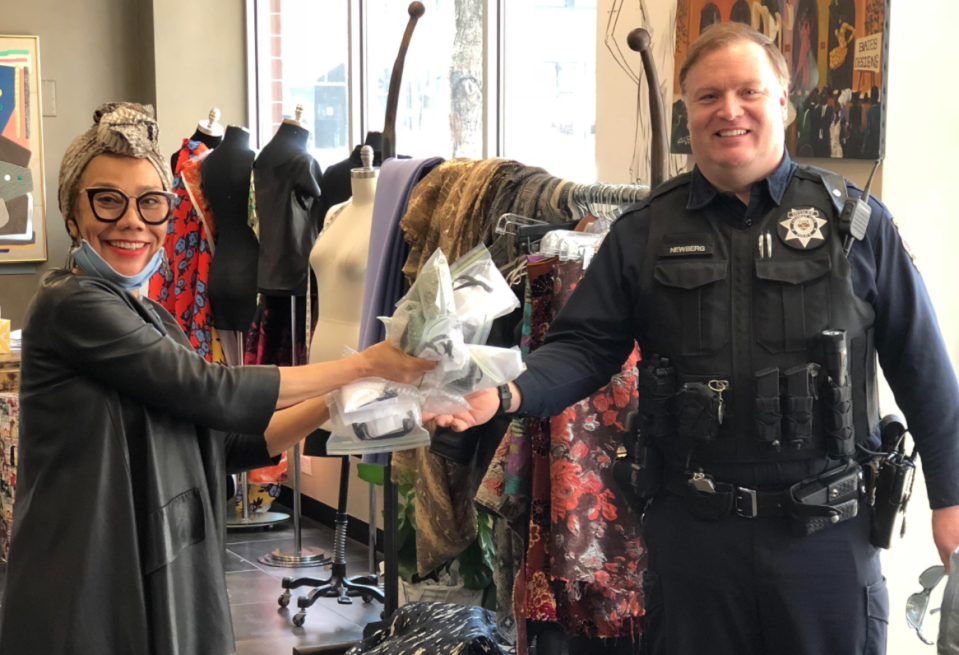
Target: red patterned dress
181, 285
585, 556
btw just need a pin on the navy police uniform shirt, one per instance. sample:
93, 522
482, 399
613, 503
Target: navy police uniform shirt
593, 334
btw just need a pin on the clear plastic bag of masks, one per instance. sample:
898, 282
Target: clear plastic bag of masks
373, 415
488, 367
446, 317
481, 294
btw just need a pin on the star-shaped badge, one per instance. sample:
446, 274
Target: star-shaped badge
803, 228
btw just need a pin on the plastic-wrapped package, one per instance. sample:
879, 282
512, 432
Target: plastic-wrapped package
445, 317
481, 294
488, 368
375, 416
434, 288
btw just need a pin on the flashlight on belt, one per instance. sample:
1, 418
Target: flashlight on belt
836, 350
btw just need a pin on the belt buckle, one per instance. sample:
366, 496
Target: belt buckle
742, 492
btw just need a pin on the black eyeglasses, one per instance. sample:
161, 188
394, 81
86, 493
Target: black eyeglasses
109, 205
918, 603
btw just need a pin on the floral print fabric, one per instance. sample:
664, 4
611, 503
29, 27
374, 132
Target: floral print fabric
181, 284
585, 554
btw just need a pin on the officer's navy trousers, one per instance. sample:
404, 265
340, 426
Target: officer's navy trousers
741, 586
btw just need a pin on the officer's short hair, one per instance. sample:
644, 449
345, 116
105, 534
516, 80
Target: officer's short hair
722, 35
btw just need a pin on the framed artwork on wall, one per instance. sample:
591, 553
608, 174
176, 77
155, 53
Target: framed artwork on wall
23, 235
836, 52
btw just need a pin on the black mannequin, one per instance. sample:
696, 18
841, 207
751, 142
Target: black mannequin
286, 177
288, 141
209, 141
226, 184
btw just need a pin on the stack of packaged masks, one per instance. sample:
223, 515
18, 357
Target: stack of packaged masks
446, 317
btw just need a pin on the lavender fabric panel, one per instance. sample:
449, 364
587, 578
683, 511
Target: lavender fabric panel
387, 245
388, 250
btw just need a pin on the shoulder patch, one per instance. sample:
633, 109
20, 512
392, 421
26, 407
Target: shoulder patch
905, 244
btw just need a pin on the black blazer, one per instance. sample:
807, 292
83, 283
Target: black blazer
126, 438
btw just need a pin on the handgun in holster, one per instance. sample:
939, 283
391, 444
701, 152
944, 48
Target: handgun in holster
892, 476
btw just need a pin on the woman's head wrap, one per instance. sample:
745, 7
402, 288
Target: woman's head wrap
119, 128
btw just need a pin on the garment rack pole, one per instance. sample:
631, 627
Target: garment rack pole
249, 519
372, 540
299, 556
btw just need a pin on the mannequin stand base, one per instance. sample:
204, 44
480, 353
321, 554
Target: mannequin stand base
289, 558
336, 586
256, 520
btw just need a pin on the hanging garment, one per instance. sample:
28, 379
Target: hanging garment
448, 210
388, 248
180, 286
585, 555
269, 341
437, 629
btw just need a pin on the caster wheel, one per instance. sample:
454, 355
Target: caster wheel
367, 599
284, 600
299, 619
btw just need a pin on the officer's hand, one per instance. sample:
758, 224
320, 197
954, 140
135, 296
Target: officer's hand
483, 407
945, 532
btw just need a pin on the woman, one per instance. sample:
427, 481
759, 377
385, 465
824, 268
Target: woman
127, 435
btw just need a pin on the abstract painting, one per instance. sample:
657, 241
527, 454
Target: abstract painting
835, 52
22, 200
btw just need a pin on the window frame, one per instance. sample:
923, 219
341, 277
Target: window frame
359, 123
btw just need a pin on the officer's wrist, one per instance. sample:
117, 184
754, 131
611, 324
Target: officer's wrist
516, 400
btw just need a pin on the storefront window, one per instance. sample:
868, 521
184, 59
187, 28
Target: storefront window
441, 100
547, 90
302, 53
550, 85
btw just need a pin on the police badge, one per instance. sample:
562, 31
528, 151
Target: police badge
803, 228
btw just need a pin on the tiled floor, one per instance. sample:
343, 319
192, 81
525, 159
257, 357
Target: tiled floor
260, 625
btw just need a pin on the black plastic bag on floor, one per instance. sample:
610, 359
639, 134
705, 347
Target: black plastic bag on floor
438, 629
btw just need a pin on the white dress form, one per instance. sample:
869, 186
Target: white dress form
339, 260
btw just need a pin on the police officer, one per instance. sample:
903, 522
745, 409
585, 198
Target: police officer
733, 273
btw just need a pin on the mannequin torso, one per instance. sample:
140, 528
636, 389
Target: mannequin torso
287, 200
339, 260
226, 183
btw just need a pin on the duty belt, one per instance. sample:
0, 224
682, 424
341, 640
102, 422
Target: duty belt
812, 505
725, 499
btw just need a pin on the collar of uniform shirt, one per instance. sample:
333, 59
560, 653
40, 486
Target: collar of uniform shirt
702, 192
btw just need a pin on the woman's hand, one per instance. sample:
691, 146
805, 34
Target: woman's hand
385, 361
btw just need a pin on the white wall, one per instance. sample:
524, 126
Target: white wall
200, 64
916, 183
88, 48
922, 139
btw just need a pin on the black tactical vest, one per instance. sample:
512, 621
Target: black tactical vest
724, 304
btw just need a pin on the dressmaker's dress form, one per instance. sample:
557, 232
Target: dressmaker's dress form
338, 260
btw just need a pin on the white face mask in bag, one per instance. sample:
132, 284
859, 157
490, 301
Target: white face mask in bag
481, 294
374, 415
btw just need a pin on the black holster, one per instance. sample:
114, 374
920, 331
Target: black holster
825, 500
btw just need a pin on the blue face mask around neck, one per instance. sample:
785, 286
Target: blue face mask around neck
94, 265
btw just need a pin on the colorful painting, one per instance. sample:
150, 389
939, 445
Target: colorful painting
834, 49
23, 236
